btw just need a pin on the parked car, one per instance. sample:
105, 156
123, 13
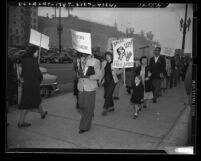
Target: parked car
49, 85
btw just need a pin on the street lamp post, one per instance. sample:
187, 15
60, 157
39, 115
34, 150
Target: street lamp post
184, 25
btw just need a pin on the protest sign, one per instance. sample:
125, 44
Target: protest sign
123, 53
167, 51
39, 39
35, 37
81, 41
45, 42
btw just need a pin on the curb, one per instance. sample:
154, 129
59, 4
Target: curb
178, 136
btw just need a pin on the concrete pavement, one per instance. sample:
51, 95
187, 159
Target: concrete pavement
160, 126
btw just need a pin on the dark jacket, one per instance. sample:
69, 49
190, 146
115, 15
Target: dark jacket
31, 86
148, 83
138, 93
158, 67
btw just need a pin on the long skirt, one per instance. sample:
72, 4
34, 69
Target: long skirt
87, 105
108, 95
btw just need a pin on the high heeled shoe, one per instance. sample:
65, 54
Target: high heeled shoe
44, 115
24, 124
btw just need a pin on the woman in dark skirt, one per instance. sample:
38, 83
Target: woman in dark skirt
32, 77
143, 71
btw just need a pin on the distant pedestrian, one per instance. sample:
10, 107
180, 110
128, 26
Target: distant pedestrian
157, 69
143, 71
172, 75
31, 79
109, 82
89, 73
137, 95
168, 71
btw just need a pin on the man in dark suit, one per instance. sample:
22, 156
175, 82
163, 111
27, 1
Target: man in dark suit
157, 68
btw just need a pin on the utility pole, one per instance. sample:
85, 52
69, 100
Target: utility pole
184, 25
59, 29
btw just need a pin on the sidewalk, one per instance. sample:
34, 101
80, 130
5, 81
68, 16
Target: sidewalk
154, 129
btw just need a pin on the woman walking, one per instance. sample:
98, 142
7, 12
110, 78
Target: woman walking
143, 71
109, 82
31, 79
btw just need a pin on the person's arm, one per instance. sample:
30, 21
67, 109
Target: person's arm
37, 70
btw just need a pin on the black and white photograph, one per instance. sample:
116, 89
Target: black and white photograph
100, 77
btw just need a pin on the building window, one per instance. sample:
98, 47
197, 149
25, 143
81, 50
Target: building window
14, 22
16, 31
22, 17
35, 20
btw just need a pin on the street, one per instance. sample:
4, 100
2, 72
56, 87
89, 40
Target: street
64, 72
118, 130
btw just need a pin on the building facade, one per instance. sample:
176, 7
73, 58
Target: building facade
20, 21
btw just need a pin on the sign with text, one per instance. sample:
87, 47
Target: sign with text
81, 41
123, 53
167, 51
38, 39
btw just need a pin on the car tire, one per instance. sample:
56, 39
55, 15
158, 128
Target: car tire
45, 92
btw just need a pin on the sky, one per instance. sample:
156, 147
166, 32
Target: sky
163, 22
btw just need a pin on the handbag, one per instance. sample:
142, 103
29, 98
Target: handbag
90, 71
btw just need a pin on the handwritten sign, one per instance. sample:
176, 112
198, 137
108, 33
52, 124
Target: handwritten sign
39, 39
123, 53
167, 51
81, 41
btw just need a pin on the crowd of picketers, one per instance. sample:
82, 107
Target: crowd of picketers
144, 82
147, 80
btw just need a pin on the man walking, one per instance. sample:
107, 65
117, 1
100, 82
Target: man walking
157, 66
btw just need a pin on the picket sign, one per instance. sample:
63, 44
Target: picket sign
167, 51
123, 54
81, 41
39, 39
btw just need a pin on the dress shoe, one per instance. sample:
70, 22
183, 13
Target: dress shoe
110, 109
82, 131
44, 115
116, 98
145, 106
135, 116
154, 100
25, 124
104, 113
